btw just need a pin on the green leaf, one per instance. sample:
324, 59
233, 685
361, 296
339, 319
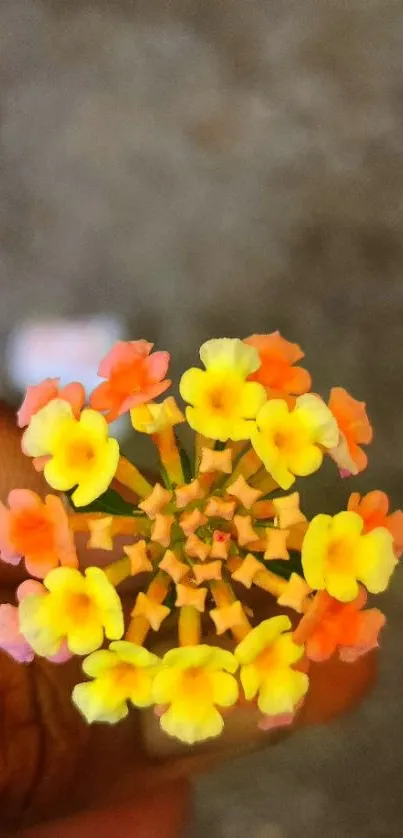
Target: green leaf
110, 502
164, 476
186, 462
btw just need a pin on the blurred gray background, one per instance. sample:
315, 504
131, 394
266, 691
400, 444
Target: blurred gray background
222, 167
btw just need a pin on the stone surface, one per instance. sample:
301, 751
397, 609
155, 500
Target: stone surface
208, 168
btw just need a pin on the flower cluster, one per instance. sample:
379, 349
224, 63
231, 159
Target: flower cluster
217, 524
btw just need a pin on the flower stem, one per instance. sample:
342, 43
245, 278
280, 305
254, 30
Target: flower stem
169, 455
129, 476
189, 626
118, 571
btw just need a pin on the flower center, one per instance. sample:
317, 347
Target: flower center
77, 607
125, 676
196, 685
31, 532
80, 453
340, 555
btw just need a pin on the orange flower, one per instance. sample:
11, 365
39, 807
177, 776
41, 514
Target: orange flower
355, 429
277, 373
134, 376
374, 511
41, 394
346, 627
36, 530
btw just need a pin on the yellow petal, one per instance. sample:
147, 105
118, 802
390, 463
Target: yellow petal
282, 691
99, 662
225, 689
250, 680
132, 653
376, 560
314, 551
231, 354
94, 424
85, 637
252, 397
165, 684
317, 417
37, 439
192, 385
107, 601
94, 701
306, 460
261, 637
288, 651
192, 727
99, 478
342, 586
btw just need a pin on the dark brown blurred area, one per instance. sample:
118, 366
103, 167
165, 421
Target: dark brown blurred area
202, 168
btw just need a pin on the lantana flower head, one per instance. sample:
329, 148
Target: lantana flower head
134, 375
200, 539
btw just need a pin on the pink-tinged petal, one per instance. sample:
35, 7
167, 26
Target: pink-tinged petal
62, 655
157, 365
7, 551
272, 722
74, 394
142, 347
40, 567
122, 353
39, 463
30, 587
371, 623
22, 499
11, 639
36, 397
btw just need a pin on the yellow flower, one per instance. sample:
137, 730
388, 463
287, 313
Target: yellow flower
288, 441
123, 673
77, 608
80, 452
266, 656
336, 556
154, 418
223, 402
192, 681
